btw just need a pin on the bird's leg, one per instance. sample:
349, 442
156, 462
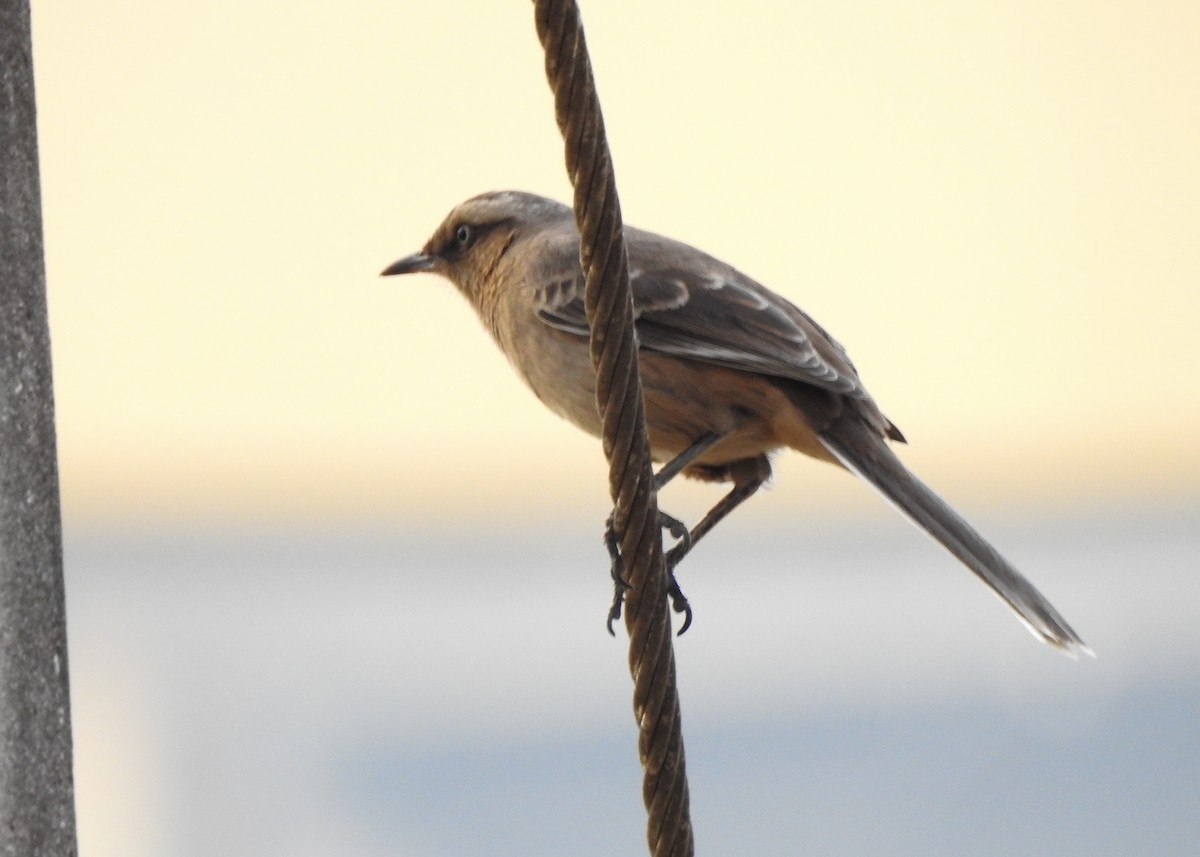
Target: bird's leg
677, 464
674, 526
748, 476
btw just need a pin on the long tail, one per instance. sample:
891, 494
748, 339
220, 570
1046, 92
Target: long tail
868, 456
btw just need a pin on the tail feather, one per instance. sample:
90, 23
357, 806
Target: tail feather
867, 456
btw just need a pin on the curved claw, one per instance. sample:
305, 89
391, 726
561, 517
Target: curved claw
614, 553
683, 543
682, 606
679, 601
614, 612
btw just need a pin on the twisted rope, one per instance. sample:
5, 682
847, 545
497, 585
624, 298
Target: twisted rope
619, 397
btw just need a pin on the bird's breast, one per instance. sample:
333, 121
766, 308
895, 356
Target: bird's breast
558, 369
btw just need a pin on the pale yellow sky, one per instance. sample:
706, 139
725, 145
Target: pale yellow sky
996, 209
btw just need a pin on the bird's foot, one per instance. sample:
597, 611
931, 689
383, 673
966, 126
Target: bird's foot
683, 543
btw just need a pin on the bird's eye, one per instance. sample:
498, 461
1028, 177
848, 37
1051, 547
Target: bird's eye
463, 236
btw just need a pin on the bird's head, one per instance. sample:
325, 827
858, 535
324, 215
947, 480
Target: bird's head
469, 244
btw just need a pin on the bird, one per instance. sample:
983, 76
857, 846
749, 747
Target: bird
731, 373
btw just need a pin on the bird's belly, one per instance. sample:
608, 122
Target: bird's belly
685, 400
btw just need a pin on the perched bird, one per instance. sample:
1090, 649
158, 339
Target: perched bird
730, 370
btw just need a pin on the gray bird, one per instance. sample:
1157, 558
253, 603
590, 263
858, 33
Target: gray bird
731, 372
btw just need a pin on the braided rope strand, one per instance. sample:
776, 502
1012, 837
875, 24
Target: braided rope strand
609, 304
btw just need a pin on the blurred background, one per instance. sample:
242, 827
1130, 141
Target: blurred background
335, 581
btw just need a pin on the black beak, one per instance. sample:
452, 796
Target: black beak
413, 264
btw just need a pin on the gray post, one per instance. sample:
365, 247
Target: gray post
37, 807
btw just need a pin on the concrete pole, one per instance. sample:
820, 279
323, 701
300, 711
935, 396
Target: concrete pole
37, 806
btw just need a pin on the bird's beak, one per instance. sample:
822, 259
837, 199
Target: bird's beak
413, 264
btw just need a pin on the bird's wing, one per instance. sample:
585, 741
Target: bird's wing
712, 313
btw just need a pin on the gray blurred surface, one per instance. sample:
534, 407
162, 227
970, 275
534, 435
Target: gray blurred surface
455, 693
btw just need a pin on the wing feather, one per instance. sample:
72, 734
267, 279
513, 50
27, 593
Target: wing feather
708, 312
